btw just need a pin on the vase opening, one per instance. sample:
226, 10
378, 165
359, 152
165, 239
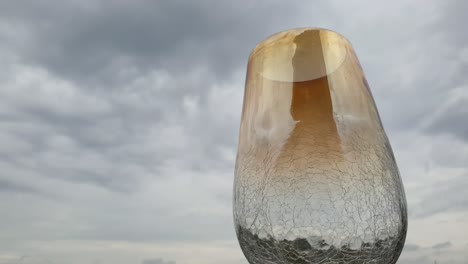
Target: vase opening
300, 55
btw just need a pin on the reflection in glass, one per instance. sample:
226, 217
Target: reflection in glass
315, 179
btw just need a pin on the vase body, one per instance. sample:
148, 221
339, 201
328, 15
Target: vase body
315, 178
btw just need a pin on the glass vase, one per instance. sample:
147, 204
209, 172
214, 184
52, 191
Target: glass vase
315, 177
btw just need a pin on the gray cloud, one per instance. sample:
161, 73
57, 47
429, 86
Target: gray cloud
34, 260
7, 186
95, 41
125, 75
451, 119
445, 196
447, 244
449, 109
156, 261
444, 252
411, 247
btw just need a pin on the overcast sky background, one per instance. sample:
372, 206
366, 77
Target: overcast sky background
119, 122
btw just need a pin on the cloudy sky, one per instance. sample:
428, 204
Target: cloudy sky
119, 122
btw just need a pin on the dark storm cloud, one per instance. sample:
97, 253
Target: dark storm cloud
142, 61
94, 40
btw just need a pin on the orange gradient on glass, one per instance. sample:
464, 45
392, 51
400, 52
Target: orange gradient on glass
315, 173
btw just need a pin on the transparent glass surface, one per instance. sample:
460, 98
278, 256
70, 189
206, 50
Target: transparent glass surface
315, 179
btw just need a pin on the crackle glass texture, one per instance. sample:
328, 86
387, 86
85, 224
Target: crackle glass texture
315, 179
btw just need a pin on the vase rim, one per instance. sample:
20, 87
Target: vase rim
299, 54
